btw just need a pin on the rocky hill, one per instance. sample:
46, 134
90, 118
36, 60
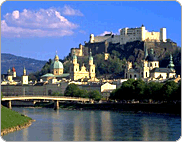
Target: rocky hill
9, 60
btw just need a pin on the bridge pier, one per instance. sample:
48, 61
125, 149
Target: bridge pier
9, 105
56, 104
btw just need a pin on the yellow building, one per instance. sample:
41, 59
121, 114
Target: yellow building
76, 73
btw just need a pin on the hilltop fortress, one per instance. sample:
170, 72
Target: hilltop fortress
99, 44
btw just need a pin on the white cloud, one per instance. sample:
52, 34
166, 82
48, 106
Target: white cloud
71, 12
108, 32
42, 23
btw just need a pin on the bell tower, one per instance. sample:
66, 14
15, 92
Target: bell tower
24, 77
92, 66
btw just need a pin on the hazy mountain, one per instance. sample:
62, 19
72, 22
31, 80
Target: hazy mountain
9, 60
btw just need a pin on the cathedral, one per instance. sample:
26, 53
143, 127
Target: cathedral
83, 73
150, 69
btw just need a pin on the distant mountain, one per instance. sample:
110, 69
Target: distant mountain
9, 60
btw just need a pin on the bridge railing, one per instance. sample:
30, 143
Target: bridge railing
46, 96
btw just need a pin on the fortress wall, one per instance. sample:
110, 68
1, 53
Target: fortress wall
102, 38
151, 36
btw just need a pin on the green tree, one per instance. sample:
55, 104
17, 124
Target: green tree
72, 90
168, 90
96, 95
153, 91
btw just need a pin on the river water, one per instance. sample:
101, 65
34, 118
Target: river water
96, 125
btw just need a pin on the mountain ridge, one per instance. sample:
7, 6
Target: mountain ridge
18, 62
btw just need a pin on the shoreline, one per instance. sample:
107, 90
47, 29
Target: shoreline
16, 128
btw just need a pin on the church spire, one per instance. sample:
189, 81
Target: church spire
90, 55
171, 64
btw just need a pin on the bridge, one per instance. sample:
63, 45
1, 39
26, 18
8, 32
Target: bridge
56, 99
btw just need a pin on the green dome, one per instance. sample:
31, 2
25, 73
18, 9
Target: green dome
56, 65
90, 57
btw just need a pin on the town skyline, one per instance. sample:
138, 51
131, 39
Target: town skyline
39, 29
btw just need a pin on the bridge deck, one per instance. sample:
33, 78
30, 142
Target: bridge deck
60, 98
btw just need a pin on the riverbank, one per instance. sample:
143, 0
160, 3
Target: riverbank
156, 108
12, 121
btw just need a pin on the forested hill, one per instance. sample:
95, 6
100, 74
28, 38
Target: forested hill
9, 60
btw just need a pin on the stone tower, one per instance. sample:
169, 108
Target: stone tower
163, 35
74, 69
24, 77
91, 66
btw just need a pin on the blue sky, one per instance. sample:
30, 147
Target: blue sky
39, 29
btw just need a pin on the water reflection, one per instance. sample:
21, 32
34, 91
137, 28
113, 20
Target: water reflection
106, 126
70, 125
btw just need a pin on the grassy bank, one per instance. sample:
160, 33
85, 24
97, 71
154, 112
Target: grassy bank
11, 119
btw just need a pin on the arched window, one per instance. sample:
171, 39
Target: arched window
135, 76
130, 76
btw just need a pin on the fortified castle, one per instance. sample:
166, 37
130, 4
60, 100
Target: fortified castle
99, 44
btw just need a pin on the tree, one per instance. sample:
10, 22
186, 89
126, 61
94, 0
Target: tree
168, 90
153, 91
72, 90
94, 95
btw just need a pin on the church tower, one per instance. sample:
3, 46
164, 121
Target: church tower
9, 77
24, 77
92, 67
171, 64
145, 68
74, 69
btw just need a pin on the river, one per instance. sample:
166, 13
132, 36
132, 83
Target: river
96, 125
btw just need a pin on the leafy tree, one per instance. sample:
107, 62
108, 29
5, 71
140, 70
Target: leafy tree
96, 95
139, 89
153, 91
168, 90
57, 94
72, 90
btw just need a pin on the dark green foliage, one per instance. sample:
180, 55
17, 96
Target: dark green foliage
74, 91
168, 90
139, 90
57, 94
94, 95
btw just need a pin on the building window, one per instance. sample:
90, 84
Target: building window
135, 76
142, 74
155, 64
146, 74
150, 64
92, 70
130, 76
76, 69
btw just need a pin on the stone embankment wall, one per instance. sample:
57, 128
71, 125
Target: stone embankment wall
19, 127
